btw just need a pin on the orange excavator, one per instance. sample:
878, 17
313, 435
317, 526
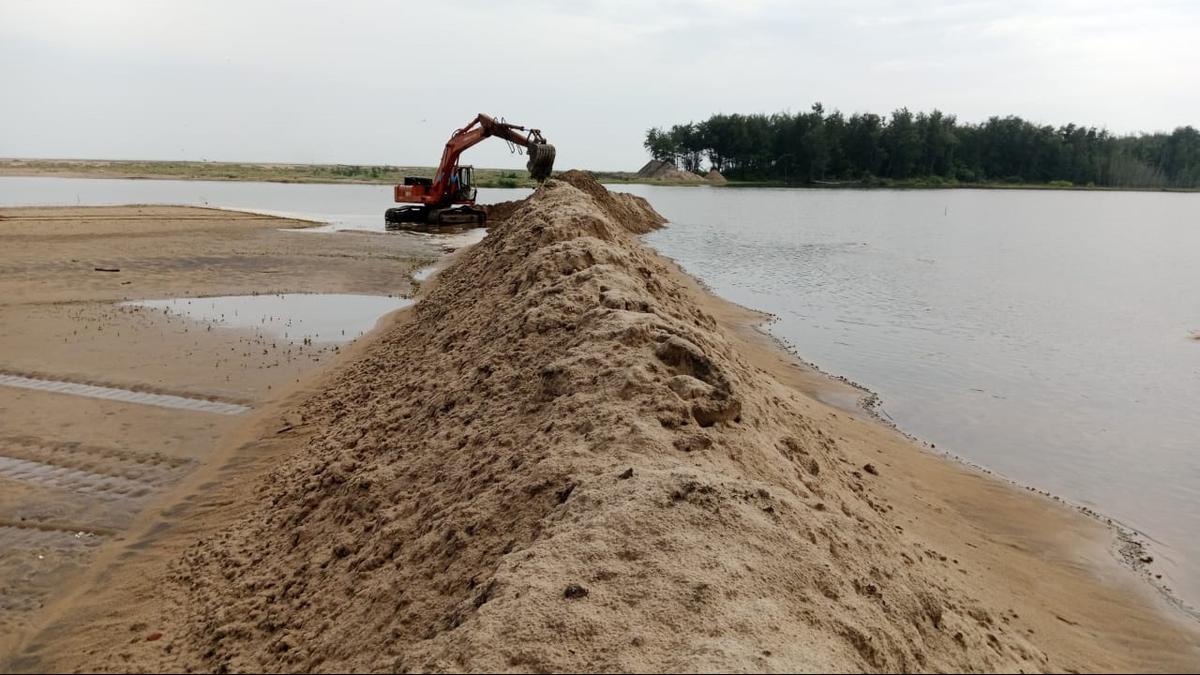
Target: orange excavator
449, 197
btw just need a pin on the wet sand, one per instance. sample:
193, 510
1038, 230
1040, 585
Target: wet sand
1053, 573
105, 408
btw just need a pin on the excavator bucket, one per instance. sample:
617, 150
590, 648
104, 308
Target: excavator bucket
541, 161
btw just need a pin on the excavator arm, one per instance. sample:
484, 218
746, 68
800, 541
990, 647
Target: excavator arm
541, 153
436, 196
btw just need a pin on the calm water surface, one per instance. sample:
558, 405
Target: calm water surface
1044, 335
296, 317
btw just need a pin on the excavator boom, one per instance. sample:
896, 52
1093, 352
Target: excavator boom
433, 199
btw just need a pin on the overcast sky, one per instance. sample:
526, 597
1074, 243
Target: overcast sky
386, 82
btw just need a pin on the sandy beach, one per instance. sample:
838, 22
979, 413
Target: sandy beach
77, 470
567, 456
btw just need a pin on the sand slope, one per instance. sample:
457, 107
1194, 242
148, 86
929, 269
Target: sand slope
569, 456
562, 463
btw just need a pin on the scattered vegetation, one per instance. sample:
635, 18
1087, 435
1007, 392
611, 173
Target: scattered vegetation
927, 150
282, 173
510, 179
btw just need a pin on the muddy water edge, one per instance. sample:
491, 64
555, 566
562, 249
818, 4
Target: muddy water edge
107, 405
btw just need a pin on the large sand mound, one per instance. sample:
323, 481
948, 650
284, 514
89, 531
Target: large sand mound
666, 171
560, 462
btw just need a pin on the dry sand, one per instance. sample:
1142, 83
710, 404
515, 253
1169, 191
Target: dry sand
568, 456
76, 472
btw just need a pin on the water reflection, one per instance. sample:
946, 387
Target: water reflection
298, 317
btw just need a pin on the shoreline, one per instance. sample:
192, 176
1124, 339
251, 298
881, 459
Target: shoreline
245, 172
1124, 546
768, 352
1130, 545
486, 178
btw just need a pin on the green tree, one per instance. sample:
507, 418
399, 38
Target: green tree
816, 145
661, 145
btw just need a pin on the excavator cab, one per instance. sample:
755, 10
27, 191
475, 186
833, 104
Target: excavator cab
464, 176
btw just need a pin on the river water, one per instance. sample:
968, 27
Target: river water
1049, 336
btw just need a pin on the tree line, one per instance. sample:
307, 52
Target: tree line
928, 148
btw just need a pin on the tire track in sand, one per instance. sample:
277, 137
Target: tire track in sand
107, 473
123, 395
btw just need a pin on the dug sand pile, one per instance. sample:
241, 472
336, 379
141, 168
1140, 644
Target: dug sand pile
715, 177
559, 462
666, 171
501, 210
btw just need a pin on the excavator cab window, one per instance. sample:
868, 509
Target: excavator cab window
466, 183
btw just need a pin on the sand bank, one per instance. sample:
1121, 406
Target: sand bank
106, 409
569, 456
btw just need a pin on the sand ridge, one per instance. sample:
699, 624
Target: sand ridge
569, 456
562, 464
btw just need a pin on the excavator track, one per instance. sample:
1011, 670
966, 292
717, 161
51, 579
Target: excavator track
405, 217
425, 219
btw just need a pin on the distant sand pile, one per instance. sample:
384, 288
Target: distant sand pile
665, 171
715, 177
560, 462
